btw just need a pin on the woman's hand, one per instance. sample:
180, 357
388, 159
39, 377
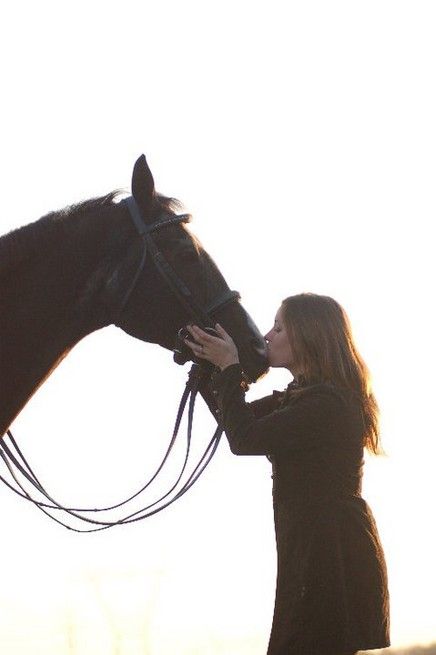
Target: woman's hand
220, 351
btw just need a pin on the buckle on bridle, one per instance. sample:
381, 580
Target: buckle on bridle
182, 353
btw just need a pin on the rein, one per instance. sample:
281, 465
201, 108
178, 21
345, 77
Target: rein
18, 466
22, 473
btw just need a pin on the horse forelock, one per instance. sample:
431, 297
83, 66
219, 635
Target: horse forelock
162, 203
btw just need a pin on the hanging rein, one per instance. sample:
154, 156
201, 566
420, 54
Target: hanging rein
21, 472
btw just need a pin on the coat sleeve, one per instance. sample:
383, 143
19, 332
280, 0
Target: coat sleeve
311, 420
259, 407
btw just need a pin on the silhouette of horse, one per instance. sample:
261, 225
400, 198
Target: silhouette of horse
80, 269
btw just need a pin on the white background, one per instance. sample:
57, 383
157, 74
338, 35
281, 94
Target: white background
301, 135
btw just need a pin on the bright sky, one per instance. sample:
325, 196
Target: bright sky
301, 135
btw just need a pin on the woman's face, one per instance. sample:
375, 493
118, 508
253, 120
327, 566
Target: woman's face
278, 347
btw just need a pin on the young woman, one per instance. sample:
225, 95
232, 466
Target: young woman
331, 596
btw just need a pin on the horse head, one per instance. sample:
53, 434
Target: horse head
172, 280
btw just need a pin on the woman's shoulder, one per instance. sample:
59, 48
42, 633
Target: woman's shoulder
328, 406
320, 393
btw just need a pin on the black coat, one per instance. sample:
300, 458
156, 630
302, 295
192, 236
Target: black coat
331, 594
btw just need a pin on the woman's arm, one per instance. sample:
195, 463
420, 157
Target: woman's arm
313, 419
260, 407
222, 353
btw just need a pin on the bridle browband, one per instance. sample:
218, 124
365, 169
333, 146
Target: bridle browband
14, 459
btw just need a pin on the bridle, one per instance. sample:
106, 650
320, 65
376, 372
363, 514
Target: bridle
17, 464
196, 312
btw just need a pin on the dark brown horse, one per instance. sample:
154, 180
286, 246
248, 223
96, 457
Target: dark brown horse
73, 272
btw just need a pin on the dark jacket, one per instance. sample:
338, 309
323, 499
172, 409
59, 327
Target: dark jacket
331, 594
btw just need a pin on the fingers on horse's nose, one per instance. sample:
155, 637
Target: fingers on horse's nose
211, 331
183, 333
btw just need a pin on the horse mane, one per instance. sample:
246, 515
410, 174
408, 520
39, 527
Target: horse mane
21, 243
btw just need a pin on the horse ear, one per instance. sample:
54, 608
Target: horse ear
143, 185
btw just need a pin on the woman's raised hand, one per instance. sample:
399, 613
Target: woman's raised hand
220, 351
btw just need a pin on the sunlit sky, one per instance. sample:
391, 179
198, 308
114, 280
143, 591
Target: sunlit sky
301, 135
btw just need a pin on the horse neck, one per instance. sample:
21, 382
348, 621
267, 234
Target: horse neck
47, 303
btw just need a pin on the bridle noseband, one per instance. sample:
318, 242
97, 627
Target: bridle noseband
197, 313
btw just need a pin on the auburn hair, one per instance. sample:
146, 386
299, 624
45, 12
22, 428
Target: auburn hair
323, 349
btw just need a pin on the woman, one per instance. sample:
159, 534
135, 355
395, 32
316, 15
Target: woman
331, 596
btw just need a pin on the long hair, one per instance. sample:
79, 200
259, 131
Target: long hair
323, 348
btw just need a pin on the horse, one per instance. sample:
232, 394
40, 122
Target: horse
88, 266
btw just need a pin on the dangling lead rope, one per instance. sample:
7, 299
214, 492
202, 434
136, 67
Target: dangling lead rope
17, 466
